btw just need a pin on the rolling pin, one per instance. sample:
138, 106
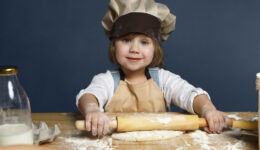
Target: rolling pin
165, 122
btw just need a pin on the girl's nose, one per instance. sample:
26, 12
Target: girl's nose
134, 48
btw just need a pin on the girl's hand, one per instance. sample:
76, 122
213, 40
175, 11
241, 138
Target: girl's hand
97, 122
216, 120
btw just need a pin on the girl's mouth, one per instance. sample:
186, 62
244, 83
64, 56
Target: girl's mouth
133, 59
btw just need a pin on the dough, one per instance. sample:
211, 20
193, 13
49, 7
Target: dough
146, 135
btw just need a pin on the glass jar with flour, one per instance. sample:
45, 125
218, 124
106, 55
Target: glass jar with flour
15, 111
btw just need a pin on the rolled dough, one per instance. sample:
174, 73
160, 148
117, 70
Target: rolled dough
146, 135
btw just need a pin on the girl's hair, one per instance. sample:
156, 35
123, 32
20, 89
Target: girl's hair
157, 57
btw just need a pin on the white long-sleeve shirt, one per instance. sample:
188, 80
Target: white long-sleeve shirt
175, 90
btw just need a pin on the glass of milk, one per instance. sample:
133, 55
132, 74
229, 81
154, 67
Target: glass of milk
15, 111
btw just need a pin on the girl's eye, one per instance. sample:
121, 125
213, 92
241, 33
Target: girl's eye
126, 40
145, 42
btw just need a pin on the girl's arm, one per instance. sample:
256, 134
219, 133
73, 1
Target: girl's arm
216, 120
95, 121
201, 104
88, 103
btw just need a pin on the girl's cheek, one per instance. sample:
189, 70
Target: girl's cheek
119, 55
151, 54
151, 58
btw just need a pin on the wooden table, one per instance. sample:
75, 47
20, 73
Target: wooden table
228, 139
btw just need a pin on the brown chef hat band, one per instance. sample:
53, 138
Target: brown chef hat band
137, 22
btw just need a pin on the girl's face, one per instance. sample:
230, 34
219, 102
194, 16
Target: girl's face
134, 51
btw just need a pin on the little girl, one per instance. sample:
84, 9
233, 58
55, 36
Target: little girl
136, 28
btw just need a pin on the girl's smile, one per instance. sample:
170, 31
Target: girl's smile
133, 58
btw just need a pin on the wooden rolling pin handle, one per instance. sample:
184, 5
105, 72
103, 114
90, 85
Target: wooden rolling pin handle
80, 125
202, 122
247, 125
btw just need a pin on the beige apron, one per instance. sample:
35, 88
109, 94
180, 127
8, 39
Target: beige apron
144, 97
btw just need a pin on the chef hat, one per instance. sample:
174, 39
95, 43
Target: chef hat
138, 16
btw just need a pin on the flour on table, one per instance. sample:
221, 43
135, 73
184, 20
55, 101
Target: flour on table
201, 138
209, 141
146, 135
85, 143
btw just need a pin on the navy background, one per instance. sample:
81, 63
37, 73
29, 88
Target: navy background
59, 45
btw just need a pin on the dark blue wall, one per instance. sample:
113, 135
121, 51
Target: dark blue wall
59, 45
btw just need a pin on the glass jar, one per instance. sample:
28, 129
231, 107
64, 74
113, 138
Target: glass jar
15, 111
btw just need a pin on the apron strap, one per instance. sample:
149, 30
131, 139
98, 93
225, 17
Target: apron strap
154, 74
122, 75
116, 77
149, 73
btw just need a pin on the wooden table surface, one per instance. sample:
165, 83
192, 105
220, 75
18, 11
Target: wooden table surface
228, 139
